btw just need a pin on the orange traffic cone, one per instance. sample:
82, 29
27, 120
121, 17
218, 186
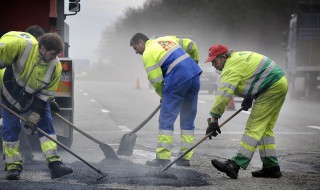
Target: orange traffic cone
231, 106
137, 83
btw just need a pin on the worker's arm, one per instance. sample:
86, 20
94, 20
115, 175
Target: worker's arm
229, 80
190, 47
10, 51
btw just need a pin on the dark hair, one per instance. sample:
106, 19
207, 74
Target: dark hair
35, 31
51, 41
138, 36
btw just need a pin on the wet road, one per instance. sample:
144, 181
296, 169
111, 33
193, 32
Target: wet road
107, 110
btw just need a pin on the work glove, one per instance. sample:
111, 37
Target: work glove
32, 121
246, 104
54, 106
213, 128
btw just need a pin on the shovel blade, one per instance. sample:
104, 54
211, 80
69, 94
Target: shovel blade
108, 152
127, 144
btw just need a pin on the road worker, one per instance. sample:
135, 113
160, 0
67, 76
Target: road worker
175, 77
31, 77
253, 77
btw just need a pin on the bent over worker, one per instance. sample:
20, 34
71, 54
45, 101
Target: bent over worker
30, 80
175, 77
252, 76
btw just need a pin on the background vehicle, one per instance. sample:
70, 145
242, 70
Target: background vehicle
17, 16
208, 78
303, 47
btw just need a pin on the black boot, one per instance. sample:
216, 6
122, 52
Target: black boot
272, 172
14, 174
183, 162
229, 167
58, 169
157, 162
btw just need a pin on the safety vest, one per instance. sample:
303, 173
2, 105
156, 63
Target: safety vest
245, 74
189, 46
33, 77
162, 57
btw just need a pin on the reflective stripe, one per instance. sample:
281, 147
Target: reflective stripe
253, 77
43, 97
187, 132
181, 42
14, 144
46, 139
167, 55
153, 67
263, 77
17, 67
245, 152
223, 93
50, 70
266, 140
158, 79
10, 99
267, 153
2, 44
46, 92
13, 159
186, 145
227, 85
50, 153
173, 64
249, 140
190, 45
164, 145
166, 132
1, 62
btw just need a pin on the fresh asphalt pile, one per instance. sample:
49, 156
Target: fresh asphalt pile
120, 172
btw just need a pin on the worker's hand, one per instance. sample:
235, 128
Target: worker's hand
54, 106
32, 121
246, 104
212, 128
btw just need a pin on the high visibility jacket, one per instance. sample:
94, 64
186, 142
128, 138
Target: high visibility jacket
28, 79
245, 74
164, 58
189, 46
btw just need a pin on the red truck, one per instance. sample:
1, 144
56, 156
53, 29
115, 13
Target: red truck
17, 15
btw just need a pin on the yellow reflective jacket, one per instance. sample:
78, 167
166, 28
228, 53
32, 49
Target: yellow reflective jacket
26, 71
245, 74
166, 62
189, 46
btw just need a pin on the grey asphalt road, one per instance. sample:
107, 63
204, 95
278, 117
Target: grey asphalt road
107, 110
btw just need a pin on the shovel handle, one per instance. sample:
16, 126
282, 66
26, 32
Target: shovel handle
54, 140
204, 138
146, 120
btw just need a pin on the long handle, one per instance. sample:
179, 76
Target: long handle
146, 120
204, 138
54, 140
77, 129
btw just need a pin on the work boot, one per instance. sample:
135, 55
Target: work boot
14, 174
58, 169
183, 162
272, 172
229, 167
157, 162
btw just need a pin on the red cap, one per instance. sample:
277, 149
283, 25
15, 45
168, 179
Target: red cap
215, 50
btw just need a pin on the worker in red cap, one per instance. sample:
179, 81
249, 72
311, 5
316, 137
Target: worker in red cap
254, 77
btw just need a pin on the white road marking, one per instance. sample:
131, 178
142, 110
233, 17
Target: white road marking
105, 111
92, 100
124, 128
86, 94
314, 127
201, 102
247, 112
144, 153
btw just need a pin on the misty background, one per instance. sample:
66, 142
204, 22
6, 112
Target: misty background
254, 25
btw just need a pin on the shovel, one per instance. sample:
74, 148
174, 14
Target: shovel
106, 149
128, 140
57, 142
204, 138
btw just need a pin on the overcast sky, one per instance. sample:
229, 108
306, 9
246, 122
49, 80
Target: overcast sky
86, 27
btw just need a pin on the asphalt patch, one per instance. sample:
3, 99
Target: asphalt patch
128, 173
